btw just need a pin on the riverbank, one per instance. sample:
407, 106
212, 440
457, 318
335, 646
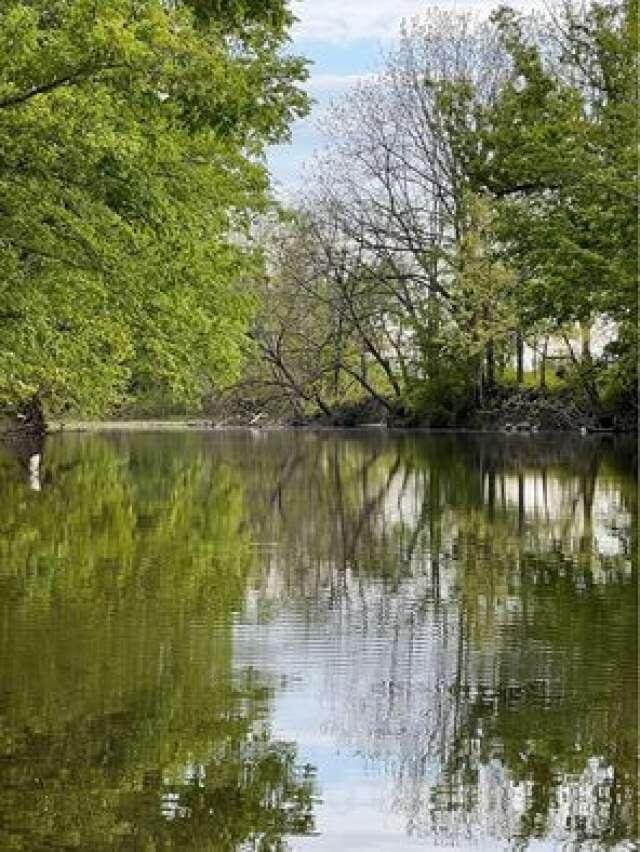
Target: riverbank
505, 410
513, 410
140, 425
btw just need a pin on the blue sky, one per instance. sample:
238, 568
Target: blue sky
343, 39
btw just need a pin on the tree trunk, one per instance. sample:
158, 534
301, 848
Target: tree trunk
338, 357
521, 503
32, 415
585, 334
519, 358
543, 365
490, 359
480, 384
491, 493
369, 388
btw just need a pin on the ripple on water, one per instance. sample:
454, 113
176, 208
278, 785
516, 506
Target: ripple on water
342, 642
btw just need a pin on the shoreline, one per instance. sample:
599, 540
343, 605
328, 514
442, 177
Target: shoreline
207, 425
139, 425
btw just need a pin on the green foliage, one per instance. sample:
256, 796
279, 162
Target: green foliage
559, 154
617, 378
131, 137
531, 379
477, 196
445, 398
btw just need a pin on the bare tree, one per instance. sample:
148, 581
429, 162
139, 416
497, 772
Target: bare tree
386, 277
393, 180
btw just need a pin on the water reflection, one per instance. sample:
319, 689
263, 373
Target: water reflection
122, 719
216, 641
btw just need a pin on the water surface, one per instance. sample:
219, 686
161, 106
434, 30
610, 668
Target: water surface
318, 642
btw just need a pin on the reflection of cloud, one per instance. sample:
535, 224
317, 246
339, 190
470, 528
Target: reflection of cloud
355, 816
414, 671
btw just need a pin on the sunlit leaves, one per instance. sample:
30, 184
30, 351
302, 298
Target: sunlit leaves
131, 137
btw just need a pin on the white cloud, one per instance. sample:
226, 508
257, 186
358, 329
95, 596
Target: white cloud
340, 21
319, 84
344, 21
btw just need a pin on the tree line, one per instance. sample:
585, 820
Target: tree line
475, 195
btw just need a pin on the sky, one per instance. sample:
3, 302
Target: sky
344, 39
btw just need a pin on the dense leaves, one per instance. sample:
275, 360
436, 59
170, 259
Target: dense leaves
559, 152
130, 138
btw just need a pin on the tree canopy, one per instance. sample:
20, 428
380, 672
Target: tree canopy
559, 154
132, 139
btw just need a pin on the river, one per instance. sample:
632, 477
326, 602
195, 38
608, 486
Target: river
318, 641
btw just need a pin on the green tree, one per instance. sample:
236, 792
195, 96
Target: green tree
132, 137
559, 153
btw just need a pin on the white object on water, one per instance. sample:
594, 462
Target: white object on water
34, 471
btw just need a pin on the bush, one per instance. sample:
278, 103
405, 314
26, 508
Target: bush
443, 400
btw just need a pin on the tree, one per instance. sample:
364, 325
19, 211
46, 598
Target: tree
395, 185
480, 324
558, 152
326, 325
131, 139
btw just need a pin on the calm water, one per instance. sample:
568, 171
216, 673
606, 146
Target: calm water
318, 642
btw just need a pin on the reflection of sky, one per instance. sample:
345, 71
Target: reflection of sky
315, 661
356, 808
366, 665
363, 687
353, 809
554, 506
332, 704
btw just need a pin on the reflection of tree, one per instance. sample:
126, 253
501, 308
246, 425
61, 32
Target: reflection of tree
122, 720
116, 776
544, 694
251, 791
322, 501
518, 557
480, 594
546, 677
